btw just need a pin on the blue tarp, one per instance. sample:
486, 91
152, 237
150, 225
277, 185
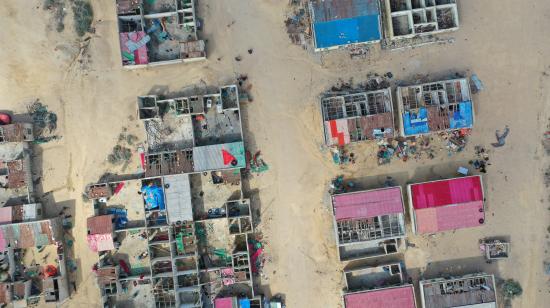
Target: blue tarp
154, 197
244, 303
416, 123
463, 117
121, 217
347, 31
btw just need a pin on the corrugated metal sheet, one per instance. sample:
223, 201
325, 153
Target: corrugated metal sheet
16, 174
416, 123
451, 217
347, 31
463, 117
5, 293
401, 297
29, 234
210, 157
337, 132
368, 204
446, 192
100, 224
342, 22
328, 10
376, 122
100, 242
178, 198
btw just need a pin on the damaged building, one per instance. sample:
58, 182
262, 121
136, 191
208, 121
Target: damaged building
469, 291
194, 133
369, 223
446, 205
25, 234
435, 107
173, 240
359, 282
354, 117
339, 23
182, 235
158, 32
412, 18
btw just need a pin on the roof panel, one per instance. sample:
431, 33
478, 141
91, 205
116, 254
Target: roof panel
347, 31
446, 192
400, 297
367, 204
178, 198
100, 224
328, 10
451, 217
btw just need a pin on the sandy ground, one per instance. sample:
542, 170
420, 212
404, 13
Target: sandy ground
504, 42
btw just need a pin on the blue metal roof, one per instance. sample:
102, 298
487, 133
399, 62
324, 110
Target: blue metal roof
416, 122
342, 22
462, 118
347, 31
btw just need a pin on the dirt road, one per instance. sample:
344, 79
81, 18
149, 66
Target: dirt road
505, 42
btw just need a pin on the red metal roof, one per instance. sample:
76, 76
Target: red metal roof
401, 297
100, 224
446, 192
367, 204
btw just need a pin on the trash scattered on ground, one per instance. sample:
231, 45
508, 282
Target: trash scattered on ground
339, 186
457, 139
257, 260
341, 156
481, 161
255, 163
501, 138
358, 51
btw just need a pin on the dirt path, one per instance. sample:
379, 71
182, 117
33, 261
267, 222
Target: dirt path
504, 42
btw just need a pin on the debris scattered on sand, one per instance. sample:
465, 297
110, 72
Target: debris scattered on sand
255, 164
339, 186
482, 159
341, 156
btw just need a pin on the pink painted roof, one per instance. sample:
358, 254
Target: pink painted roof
451, 191
101, 242
226, 302
5, 215
401, 297
367, 204
451, 217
